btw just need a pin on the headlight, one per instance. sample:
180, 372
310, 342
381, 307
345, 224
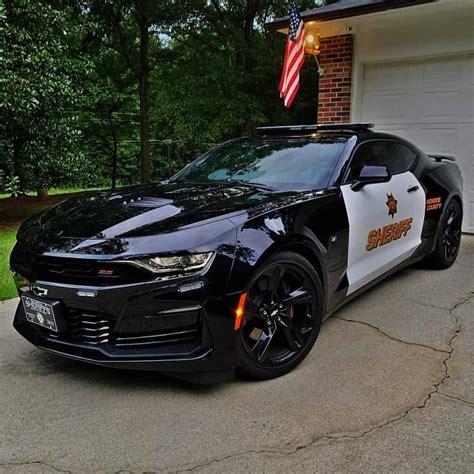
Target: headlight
180, 264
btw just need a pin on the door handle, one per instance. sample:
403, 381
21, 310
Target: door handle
412, 189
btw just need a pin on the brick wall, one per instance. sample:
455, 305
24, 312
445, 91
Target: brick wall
335, 84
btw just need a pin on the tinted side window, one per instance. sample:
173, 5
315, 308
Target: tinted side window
368, 154
403, 158
396, 157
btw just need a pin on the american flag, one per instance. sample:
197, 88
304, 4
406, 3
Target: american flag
294, 58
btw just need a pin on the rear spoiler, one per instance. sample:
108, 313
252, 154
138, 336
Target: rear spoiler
439, 158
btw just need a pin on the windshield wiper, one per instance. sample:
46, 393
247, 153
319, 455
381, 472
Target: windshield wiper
248, 184
252, 184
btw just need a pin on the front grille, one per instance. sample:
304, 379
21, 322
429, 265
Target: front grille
77, 271
87, 327
133, 340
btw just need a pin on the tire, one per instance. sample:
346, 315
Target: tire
448, 239
282, 317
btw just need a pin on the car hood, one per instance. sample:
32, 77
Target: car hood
137, 211
142, 211
108, 223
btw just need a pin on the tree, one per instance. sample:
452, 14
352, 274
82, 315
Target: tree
38, 92
130, 27
142, 13
109, 103
224, 78
105, 117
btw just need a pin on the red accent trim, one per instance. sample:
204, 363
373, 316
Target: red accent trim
105, 272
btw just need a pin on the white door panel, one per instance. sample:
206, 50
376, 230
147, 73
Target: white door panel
431, 103
380, 240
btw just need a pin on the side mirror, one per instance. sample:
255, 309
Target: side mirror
371, 175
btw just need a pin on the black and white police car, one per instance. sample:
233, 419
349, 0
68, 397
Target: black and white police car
234, 262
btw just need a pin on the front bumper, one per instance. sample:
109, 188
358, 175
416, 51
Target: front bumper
148, 326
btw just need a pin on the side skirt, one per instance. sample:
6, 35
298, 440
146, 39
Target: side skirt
411, 261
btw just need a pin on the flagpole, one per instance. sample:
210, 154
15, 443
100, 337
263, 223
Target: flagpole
320, 68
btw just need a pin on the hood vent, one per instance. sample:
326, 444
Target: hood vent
148, 202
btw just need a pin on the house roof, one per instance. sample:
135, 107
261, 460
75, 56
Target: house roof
345, 9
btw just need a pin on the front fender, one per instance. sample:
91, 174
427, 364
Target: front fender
315, 228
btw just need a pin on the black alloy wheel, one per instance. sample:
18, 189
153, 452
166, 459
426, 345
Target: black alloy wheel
282, 317
449, 237
452, 232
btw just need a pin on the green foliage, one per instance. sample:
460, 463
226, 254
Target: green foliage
39, 92
69, 83
222, 76
108, 118
12, 186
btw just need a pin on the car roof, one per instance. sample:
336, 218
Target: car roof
363, 132
309, 130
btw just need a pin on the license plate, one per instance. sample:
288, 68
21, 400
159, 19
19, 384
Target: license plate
40, 313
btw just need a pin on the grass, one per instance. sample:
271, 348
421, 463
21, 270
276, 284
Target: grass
56, 191
7, 287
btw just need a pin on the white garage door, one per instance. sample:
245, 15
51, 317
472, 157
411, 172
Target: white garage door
431, 103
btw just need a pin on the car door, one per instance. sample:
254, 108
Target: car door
385, 219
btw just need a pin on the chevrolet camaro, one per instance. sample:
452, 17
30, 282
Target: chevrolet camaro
233, 263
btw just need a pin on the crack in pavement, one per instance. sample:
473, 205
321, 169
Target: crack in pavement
469, 296
30, 463
289, 451
393, 338
458, 399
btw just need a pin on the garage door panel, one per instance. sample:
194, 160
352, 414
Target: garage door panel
466, 137
454, 70
418, 106
392, 76
385, 108
436, 139
445, 106
431, 103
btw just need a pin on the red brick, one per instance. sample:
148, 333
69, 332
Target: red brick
335, 85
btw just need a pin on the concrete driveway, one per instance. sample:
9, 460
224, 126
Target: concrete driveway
389, 386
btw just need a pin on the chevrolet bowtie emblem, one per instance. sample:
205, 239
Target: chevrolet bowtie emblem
38, 291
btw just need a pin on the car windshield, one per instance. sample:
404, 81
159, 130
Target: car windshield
290, 164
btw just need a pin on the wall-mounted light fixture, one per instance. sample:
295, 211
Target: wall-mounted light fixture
312, 42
